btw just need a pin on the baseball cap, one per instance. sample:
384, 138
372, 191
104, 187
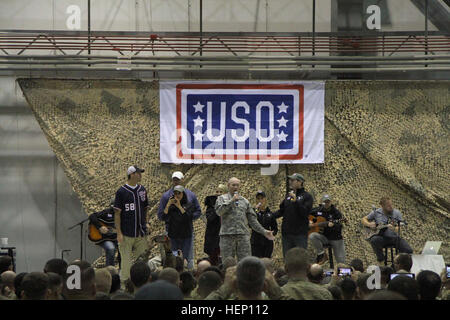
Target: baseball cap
178, 175
326, 197
297, 176
134, 169
260, 192
178, 188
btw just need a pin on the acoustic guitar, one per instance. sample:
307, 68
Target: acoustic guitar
319, 223
97, 237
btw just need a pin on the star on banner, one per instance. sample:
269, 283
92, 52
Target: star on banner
282, 122
198, 122
198, 136
282, 136
282, 107
198, 107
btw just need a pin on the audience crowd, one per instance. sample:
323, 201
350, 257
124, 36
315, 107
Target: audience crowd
167, 278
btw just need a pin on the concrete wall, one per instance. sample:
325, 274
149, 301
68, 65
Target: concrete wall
37, 203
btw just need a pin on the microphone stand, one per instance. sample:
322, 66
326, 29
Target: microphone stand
81, 223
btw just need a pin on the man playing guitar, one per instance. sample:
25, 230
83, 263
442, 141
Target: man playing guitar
101, 231
383, 222
327, 218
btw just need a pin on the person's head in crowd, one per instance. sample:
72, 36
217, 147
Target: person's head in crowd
103, 280
58, 266
120, 295
187, 283
129, 287
336, 292
268, 263
139, 274
348, 287
280, 276
87, 288
405, 286
201, 266
250, 276
296, 263
429, 284
171, 275
362, 290
384, 294
5, 264
208, 282
154, 276
159, 290
7, 279
357, 265
386, 272
102, 296
18, 284
55, 285
216, 270
35, 286
403, 261
315, 273
228, 262
115, 283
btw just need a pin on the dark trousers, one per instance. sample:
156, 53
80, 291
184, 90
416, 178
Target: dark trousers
290, 241
378, 242
262, 250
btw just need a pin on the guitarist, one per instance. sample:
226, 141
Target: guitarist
332, 232
388, 216
109, 244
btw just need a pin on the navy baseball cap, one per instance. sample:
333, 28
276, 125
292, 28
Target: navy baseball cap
134, 169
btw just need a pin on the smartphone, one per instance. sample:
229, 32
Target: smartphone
344, 271
160, 238
328, 273
448, 271
411, 275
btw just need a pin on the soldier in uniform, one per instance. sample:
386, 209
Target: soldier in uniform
237, 213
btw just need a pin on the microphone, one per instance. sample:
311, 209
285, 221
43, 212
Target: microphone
258, 205
237, 201
291, 198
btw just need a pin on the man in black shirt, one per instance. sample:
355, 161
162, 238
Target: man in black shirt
104, 222
332, 232
261, 246
295, 209
130, 217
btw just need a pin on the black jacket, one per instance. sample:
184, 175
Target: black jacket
295, 213
213, 224
335, 232
180, 224
267, 219
106, 216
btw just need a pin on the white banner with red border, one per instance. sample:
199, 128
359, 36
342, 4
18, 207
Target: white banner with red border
241, 122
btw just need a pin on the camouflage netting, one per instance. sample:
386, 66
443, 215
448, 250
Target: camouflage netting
381, 138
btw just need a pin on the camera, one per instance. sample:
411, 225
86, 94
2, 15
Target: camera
328, 273
344, 271
411, 275
448, 271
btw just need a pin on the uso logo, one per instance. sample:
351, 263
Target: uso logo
239, 121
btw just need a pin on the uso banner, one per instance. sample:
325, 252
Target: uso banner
241, 122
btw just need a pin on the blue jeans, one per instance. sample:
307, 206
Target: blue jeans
290, 241
110, 251
184, 245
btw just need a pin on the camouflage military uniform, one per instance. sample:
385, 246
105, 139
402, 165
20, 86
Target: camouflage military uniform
299, 289
234, 232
